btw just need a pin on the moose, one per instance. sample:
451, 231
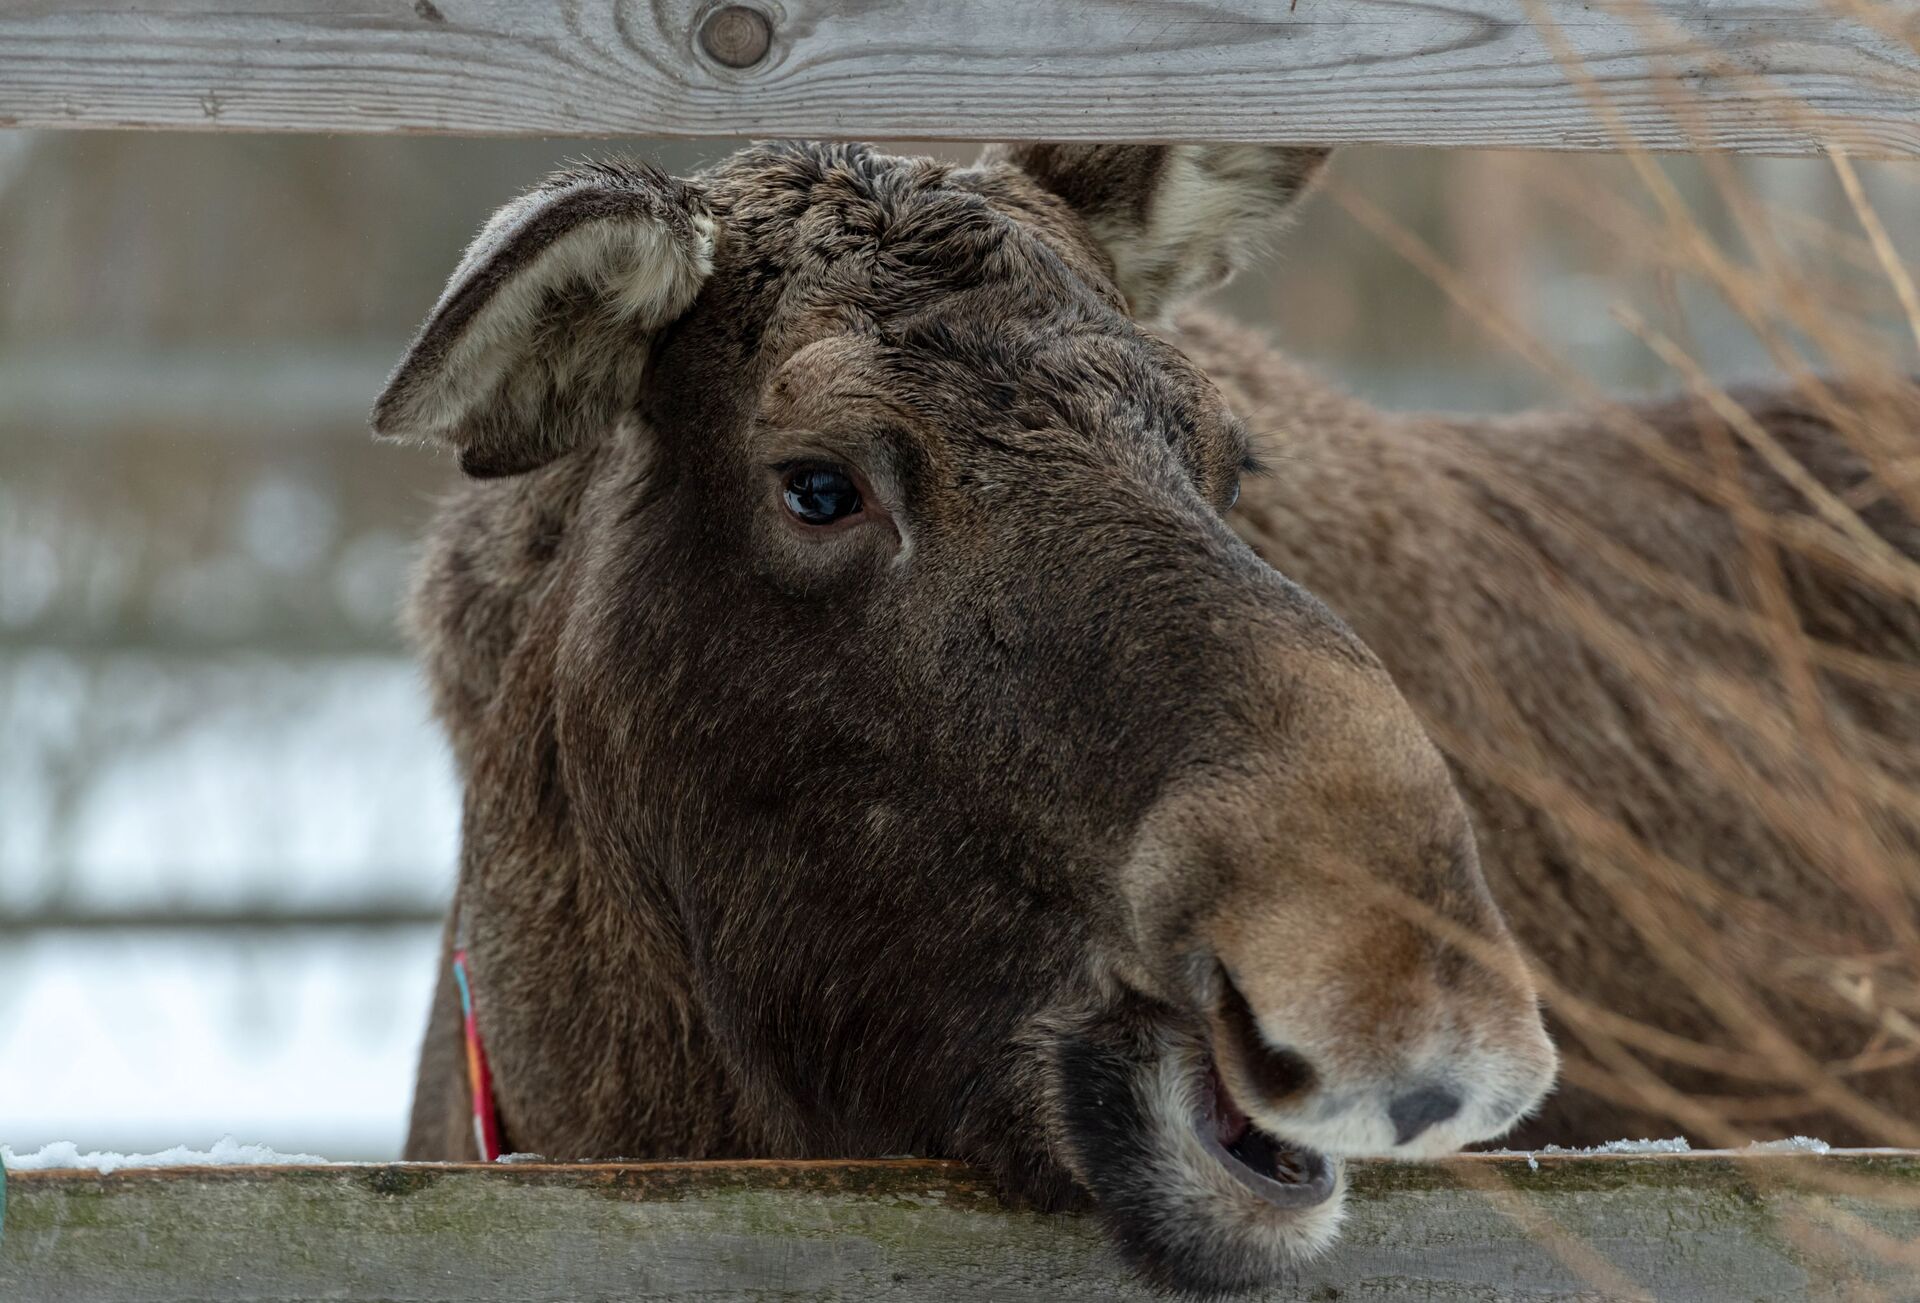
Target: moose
919, 688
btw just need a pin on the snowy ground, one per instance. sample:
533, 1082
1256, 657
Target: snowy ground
133, 780
135, 783
132, 1043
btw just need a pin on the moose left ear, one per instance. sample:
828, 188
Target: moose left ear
543, 335
1175, 220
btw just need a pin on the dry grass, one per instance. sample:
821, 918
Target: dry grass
1801, 1005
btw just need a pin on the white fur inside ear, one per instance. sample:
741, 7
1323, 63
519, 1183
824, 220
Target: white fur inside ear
1208, 209
641, 270
645, 276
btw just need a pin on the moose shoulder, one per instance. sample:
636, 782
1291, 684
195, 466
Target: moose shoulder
879, 737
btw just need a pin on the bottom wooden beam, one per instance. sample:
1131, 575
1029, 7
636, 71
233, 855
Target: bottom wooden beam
1682, 1226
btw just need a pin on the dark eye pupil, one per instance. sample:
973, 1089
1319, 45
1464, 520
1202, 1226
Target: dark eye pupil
820, 496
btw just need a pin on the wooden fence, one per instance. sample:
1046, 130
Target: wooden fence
1781, 76
1673, 1227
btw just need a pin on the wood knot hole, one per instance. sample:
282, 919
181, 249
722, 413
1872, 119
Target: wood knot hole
736, 36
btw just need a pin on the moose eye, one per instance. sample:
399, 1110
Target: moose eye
820, 495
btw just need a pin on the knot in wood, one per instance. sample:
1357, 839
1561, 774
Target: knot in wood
736, 36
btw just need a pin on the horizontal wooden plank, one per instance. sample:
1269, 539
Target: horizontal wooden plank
1702, 1226
1779, 76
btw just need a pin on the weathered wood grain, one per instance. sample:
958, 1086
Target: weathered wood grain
1781, 76
1674, 1226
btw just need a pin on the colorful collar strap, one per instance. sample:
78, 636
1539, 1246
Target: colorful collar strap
486, 1125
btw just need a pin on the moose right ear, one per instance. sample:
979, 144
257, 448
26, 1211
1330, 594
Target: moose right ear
542, 337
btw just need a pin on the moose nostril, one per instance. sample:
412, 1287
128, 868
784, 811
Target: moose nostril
1417, 1110
1275, 1073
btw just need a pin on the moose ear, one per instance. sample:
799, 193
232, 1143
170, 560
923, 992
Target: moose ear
1174, 219
542, 337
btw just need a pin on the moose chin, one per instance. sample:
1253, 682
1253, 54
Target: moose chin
879, 735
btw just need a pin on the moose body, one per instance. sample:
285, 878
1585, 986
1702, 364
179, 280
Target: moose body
879, 735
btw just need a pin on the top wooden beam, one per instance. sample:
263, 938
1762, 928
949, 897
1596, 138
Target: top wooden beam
1763, 76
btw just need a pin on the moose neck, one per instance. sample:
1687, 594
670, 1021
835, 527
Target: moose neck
581, 987
583, 992
595, 1049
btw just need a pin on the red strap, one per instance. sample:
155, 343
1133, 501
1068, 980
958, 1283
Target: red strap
486, 1126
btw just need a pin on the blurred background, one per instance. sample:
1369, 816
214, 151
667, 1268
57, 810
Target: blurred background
227, 826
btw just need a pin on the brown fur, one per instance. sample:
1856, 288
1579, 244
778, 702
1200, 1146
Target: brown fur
971, 831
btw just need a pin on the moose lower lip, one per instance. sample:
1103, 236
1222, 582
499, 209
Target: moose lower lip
1281, 1173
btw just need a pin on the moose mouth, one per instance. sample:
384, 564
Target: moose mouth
1280, 1172
1196, 1197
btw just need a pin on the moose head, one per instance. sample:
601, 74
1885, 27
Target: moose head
843, 620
